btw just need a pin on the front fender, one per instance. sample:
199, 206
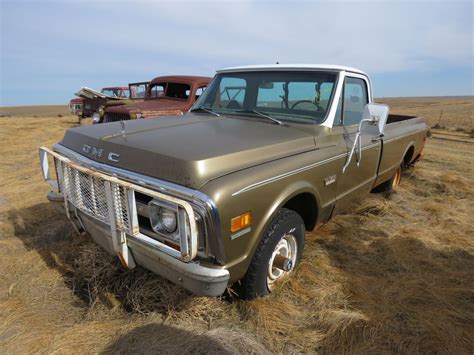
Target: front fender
263, 200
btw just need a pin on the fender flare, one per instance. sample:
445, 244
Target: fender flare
410, 145
287, 194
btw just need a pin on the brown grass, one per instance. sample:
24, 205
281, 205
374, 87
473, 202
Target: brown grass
451, 113
396, 276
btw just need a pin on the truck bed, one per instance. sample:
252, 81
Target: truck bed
402, 142
398, 118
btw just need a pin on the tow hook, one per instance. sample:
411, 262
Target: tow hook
283, 263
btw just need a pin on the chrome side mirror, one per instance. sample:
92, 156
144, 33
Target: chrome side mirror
374, 119
374, 115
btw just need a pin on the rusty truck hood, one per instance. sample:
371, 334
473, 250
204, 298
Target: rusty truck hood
189, 151
154, 107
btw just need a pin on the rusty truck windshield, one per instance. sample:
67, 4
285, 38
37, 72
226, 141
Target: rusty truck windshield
137, 90
302, 97
122, 93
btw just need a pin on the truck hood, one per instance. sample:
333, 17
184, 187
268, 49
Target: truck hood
191, 150
153, 107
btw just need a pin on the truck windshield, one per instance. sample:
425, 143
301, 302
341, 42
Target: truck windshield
116, 92
300, 97
137, 90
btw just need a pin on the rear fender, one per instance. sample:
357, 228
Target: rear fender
410, 145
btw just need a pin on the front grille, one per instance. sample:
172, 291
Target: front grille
90, 194
115, 117
75, 108
116, 203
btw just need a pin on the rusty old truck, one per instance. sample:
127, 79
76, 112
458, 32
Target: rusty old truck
223, 195
171, 95
89, 100
92, 103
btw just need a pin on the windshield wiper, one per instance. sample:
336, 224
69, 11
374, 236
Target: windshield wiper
274, 120
204, 109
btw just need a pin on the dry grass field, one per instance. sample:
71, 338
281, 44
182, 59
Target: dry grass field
396, 276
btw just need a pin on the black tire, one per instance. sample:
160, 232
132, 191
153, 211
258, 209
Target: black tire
254, 283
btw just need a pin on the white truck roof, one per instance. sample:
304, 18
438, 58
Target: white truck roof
292, 67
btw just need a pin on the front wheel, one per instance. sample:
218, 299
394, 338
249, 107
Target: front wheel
277, 254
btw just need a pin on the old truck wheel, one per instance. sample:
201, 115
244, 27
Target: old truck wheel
276, 256
395, 181
391, 185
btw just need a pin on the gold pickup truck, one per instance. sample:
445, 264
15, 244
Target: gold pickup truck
223, 195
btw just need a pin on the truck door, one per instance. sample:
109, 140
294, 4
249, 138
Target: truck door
357, 179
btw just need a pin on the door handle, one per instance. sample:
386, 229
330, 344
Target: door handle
377, 138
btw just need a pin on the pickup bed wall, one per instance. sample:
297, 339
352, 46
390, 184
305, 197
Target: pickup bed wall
398, 118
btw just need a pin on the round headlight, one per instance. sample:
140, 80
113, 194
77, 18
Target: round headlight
168, 220
96, 117
162, 219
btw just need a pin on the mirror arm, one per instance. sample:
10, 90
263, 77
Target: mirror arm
358, 143
359, 156
357, 138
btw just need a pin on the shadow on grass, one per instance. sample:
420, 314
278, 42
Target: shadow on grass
416, 298
92, 274
164, 339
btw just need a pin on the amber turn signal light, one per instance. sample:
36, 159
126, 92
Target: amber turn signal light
240, 222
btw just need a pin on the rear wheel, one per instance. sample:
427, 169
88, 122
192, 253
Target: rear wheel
395, 181
276, 256
391, 185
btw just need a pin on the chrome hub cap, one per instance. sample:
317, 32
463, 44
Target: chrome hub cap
286, 248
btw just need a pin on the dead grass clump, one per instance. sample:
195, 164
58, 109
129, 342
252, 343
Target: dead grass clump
100, 280
373, 207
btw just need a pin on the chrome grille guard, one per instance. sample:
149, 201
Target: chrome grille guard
112, 201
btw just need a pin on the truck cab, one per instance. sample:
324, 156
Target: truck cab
165, 96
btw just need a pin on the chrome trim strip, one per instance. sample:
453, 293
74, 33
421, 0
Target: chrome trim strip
370, 146
241, 233
296, 171
284, 175
203, 205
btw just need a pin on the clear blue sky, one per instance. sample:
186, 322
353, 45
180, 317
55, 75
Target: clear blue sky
410, 48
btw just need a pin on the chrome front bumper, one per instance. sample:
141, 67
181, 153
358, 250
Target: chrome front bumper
104, 205
193, 276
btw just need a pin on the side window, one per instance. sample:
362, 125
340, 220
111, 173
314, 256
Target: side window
231, 93
178, 90
355, 99
200, 91
157, 90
